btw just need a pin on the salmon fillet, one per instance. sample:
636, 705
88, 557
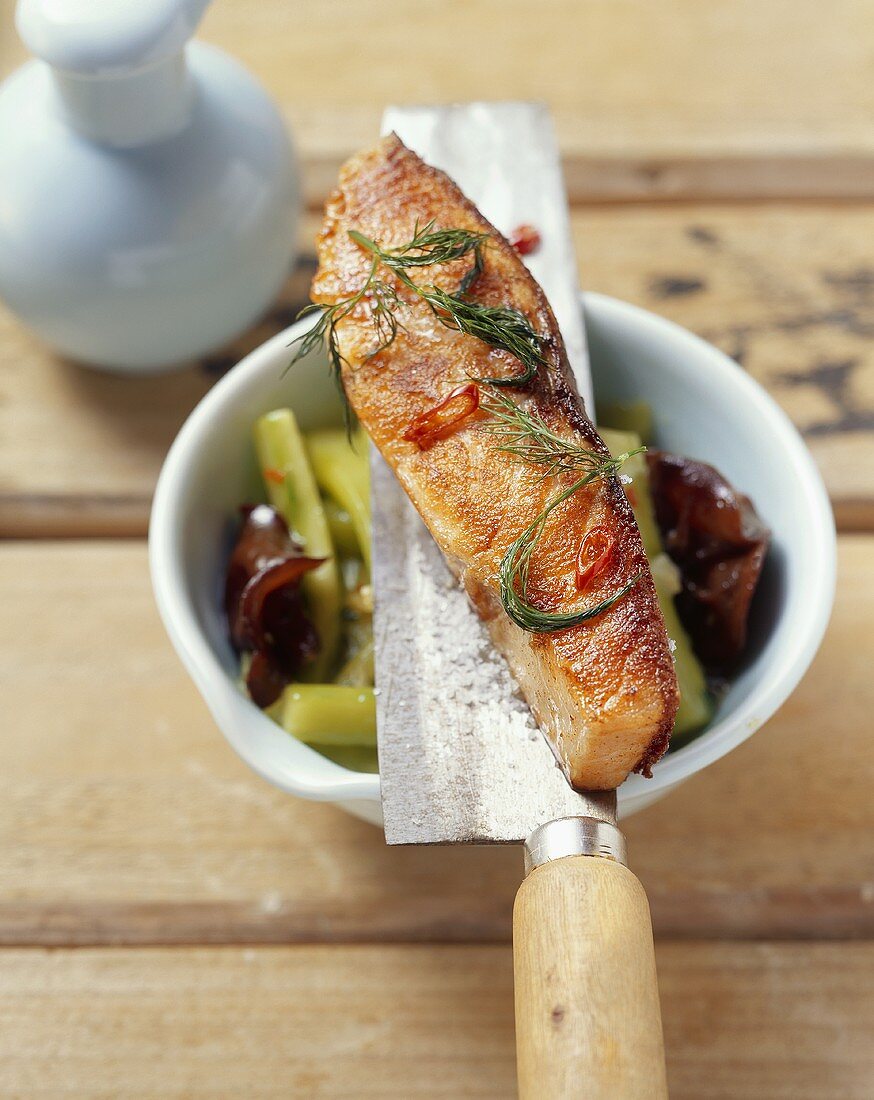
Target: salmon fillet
604, 692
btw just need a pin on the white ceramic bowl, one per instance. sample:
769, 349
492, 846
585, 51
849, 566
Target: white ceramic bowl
704, 406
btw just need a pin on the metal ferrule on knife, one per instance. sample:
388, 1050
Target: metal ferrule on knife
574, 836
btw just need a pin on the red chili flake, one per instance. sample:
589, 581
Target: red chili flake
593, 557
441, 420
525, 239
274, 475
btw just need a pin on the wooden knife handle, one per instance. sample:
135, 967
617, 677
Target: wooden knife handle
588, 1023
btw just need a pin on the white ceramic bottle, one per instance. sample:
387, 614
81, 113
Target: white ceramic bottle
148, 188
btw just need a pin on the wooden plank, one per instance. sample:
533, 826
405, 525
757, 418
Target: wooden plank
639, 176
125, 818
727, 912
790, 1022
680, 99
789, 290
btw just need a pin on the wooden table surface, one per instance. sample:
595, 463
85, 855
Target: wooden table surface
171, 926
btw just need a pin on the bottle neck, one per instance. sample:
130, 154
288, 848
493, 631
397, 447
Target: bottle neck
131, 108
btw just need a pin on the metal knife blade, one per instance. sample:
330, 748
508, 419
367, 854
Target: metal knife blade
460, 758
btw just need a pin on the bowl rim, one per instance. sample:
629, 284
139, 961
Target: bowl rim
315, 777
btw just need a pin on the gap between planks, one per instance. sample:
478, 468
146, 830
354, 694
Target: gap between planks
817, 914
683, 180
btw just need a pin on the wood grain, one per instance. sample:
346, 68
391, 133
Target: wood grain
680, 99
742, 1022
125, 818
788, 290
586, 992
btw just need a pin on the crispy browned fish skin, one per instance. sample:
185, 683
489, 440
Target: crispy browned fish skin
605, 692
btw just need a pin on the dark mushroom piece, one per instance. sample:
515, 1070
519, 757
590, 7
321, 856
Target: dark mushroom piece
719, 543
263, 603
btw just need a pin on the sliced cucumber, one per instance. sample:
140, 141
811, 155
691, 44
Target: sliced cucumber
293, 492
696, 702
329, 714
342, 472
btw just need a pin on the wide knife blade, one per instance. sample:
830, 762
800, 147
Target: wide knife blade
460, 757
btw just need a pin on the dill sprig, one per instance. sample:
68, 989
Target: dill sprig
427, 246
525, 435
499, 327
515, 565
383, 302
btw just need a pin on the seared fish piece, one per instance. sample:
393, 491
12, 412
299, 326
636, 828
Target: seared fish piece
603, 692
